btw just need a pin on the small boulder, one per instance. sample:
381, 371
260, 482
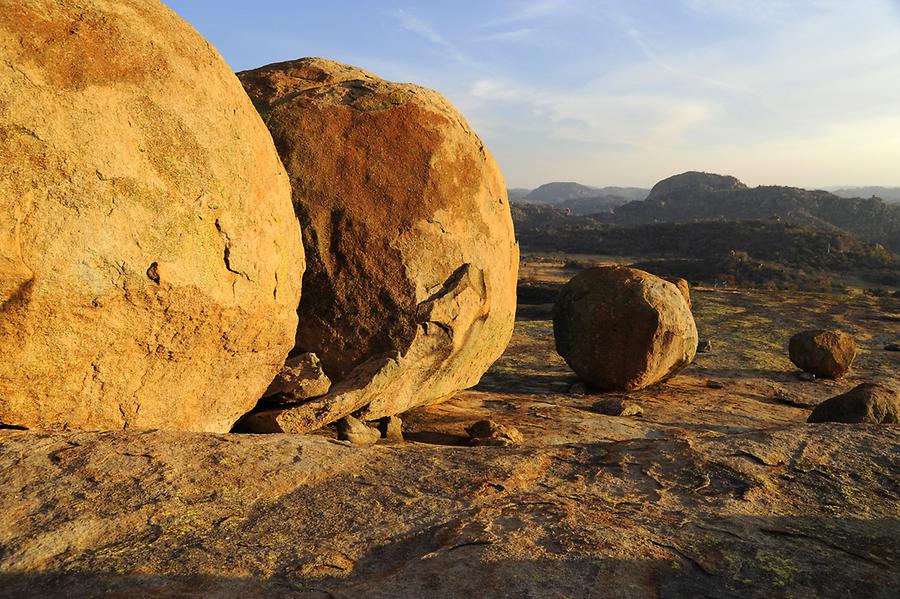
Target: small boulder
356, 431
892, 347
391, 429
704, 346
617, 407
621, 328
869, 403
826, 354
300, 378
488, 432
807, 377
711, 384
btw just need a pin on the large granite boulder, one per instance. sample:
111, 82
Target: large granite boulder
150, 262
623, 329
412, 261
826, 354
869, 403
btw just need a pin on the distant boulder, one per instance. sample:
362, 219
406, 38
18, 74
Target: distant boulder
412, 261
150, 260
826, 354
622, 329
695, 181
869, 403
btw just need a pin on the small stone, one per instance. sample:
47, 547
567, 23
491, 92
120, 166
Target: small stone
704, 347
356, 431
869, 403
391, 428
578, 389
617, 407
892, 347
300, 378
488, 432
715, 384
807, 376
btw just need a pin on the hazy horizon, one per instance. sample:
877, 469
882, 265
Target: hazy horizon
621, 93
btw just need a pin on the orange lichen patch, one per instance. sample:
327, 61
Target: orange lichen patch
76, 47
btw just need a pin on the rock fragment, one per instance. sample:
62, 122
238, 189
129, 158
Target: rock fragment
489, 433
300, 378
617, 407
356, 431
391, 429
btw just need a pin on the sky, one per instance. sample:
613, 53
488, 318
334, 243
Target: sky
619, 92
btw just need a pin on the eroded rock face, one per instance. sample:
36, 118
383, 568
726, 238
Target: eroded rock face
826, 354
869, 403
622, 328
150, 261
412, 258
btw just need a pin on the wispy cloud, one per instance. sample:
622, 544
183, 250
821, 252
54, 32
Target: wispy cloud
424, 29
514, 35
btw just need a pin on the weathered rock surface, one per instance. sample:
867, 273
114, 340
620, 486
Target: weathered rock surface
869, 403
698, 515
683, 286
622, 328
408, 234
150, 261
300, 378
826, 354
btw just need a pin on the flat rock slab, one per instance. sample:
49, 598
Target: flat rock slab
697, 514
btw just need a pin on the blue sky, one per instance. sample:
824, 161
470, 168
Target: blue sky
619, 92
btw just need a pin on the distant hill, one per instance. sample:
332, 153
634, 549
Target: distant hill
580, 199
888, 194
558, 193
555, 193
745, 253
694, 182
517, 194
693, 197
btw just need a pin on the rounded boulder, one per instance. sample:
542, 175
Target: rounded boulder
826, 354
412, 260
150, 260
621, 328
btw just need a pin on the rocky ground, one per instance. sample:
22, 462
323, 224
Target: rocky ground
710, 492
